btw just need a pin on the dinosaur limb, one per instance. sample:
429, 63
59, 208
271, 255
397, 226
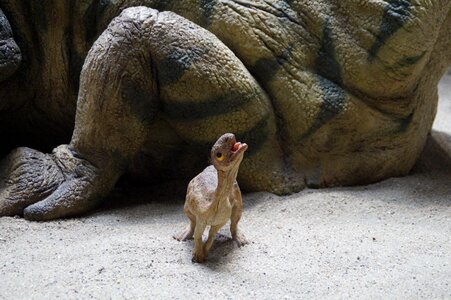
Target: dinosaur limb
188, 232
143, 62
116, 86
211, 237
205, 91
237, 210
198, 252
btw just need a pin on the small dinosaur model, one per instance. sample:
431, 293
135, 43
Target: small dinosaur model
213, 197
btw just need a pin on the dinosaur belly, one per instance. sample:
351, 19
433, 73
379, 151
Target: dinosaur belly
221, 215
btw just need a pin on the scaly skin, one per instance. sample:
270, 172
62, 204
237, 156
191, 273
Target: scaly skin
324, 92
10, 56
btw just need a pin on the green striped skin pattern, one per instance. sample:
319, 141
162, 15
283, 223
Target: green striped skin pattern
325, 93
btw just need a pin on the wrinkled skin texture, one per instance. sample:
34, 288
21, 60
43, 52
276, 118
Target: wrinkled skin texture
10, 56
324, 92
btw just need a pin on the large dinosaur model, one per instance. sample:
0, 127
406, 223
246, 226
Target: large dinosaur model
324, 92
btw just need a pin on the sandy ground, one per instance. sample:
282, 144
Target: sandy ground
386, 240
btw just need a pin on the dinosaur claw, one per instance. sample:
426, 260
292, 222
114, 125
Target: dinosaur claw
33, 184
184, 235
44, 211
36, 212
27, 176
71, 198
47, 209
198, 257
240, 240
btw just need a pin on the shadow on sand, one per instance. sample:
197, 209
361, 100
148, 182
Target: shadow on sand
429, 179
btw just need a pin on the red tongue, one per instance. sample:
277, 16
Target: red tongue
236, 146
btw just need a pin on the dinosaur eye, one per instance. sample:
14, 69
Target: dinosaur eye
219, 156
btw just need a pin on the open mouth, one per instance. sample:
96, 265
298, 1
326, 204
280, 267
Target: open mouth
237, 148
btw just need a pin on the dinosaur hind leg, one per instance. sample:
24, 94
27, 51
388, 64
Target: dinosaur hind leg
188, 232
108, 131
116, 104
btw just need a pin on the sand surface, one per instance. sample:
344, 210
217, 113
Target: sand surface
385, 240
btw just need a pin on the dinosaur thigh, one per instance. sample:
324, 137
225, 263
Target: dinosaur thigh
206, 91
147, 70
181, 78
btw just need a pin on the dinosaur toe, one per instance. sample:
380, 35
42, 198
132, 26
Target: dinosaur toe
27, 176
69, 199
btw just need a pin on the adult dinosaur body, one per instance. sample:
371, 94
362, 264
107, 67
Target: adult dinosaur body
324, 92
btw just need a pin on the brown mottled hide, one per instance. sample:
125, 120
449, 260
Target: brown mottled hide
214, 197
324, 92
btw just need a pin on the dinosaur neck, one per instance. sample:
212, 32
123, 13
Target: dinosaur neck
226, 179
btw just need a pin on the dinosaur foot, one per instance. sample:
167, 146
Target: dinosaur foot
240, 240
184, 235
199, 256
46, 186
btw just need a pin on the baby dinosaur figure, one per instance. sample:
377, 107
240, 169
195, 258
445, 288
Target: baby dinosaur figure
213, 197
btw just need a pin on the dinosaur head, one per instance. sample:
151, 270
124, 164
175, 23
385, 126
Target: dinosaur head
227, 153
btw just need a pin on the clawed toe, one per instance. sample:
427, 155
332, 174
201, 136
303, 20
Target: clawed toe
34, 185
198, 257
27, 176
184, 235
240, 240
